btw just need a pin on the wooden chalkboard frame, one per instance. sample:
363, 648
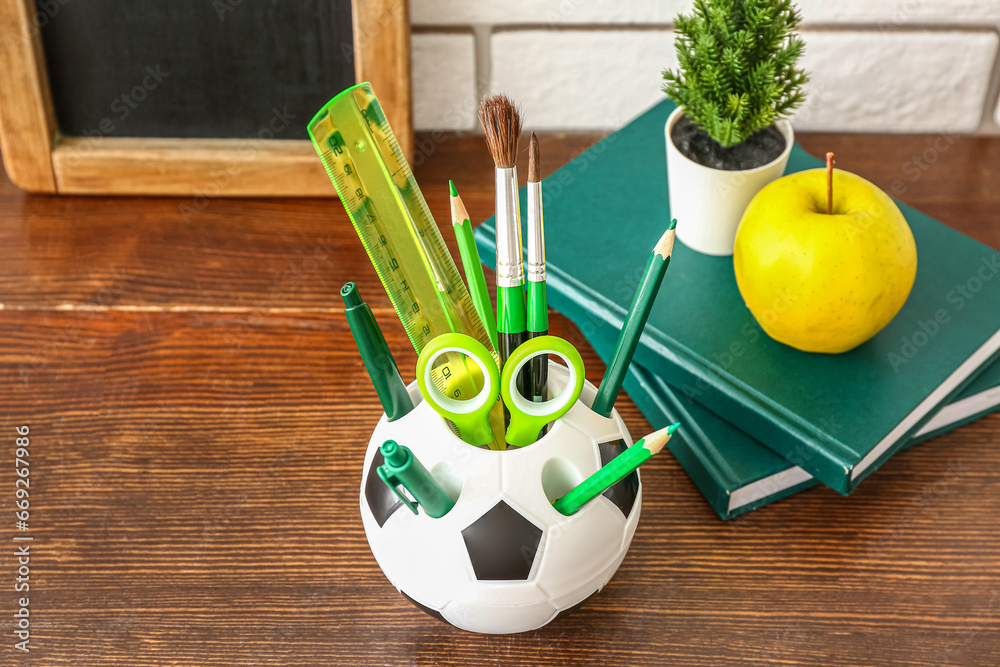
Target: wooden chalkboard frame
37, 158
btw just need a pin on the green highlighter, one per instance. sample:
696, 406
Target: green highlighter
401, 468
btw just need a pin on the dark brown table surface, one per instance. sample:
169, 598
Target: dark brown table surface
198, 417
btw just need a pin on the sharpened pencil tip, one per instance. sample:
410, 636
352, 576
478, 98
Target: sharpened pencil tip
459, 216
657, 440
673, 223
665, 246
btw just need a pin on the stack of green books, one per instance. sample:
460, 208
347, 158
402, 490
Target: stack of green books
761, 419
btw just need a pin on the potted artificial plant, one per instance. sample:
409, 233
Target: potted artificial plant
736, 81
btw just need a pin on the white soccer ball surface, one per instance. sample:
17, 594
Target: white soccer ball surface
503, 559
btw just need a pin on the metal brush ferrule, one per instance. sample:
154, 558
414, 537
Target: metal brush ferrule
536, 234
510, 271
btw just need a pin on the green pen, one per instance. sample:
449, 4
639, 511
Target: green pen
635, 322
614, 471
401, 468
472, 264
376, 355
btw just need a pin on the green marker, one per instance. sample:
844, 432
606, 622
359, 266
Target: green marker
472, 264
614, 471
635, 322
401, 468
375, 354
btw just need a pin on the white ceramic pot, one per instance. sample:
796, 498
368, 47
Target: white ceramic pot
708, 203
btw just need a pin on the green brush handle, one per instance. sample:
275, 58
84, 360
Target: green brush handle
538, 325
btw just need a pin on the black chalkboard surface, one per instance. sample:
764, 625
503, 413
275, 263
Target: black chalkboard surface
196, 68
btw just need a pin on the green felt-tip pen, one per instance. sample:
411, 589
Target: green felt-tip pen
614, 471
401, 468
635, 322
376, 355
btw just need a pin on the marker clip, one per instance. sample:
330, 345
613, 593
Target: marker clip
393, 483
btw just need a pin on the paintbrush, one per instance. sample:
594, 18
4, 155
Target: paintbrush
502, 123
537, 308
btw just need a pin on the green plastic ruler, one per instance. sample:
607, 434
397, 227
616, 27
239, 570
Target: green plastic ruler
403, 242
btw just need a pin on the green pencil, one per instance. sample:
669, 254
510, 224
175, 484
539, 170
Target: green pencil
376, 355
635, 322
614, 471
472, 265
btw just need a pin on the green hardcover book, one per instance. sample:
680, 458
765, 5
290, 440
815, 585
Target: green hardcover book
979, 398
838, 417
736, 473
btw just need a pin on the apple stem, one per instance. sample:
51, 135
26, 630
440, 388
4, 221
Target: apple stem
829, 183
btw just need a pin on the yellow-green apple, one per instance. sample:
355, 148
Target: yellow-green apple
824, 281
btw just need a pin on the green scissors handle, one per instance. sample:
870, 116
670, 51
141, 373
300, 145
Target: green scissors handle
526, 417
470, 417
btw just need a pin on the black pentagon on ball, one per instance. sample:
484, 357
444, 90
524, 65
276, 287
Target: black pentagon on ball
381, 500
502, 544
623, 493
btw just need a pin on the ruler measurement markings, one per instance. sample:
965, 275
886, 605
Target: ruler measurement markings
401, 238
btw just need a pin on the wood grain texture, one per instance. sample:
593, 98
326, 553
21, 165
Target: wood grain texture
198, 415
27, 121
202, 168
382, 56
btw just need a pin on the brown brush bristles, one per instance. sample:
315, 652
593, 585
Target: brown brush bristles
502, 122
534, 160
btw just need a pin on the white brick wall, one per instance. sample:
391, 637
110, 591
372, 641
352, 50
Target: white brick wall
876, 65
919, 82
548, 12
444, 81
543, 12
580, 79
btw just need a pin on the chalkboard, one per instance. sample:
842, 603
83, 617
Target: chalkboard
194, 68
195, 98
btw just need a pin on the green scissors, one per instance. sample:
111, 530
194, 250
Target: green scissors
526, 417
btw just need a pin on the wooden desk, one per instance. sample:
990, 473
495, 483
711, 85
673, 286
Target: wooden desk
198, 415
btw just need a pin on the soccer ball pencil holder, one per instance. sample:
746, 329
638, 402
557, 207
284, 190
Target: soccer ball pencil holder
503, 559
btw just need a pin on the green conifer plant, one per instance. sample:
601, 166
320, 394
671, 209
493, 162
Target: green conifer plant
737, 69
